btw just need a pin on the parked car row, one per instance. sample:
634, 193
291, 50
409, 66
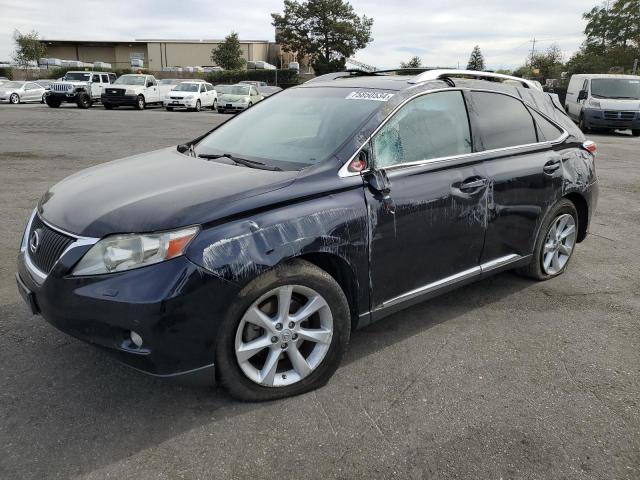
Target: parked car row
86, 88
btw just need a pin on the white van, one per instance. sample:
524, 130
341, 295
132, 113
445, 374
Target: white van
604, 101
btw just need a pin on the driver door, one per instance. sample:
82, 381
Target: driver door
152, 94
427, 201
96, 86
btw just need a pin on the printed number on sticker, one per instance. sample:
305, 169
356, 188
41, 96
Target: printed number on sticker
367, 95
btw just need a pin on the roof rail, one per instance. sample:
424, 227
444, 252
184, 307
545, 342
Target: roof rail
438, 74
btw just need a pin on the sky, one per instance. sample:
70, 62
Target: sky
441, 32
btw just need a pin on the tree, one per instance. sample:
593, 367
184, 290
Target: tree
328, 31
476, 60
28, 49
548, 64
228, 54
415, 62
613, 39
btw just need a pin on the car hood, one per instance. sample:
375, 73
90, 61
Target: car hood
159, 190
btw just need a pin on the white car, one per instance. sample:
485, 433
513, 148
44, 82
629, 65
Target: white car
137, 90
21, 92
192, 95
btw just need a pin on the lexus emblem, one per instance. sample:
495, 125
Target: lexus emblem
34, 241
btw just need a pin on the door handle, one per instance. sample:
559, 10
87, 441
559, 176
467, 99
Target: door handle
471, 185
552, 165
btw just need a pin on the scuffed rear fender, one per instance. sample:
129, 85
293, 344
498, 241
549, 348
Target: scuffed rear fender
336, 224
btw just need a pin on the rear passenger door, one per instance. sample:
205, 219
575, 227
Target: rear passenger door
524, 171
152, 94
426, 197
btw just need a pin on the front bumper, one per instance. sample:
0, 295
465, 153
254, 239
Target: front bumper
175, 306
71, 96
622, 120
180, 103
119, 100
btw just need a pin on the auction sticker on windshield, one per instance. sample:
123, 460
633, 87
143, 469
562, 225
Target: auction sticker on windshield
369, 95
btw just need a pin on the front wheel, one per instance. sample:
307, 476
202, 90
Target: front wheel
582, 125
635, 133
169, 109
107, 106
140, 103
555, 243
214, 106
44, 98
198, 106
53, 102
285, 334
14, 99
84, 101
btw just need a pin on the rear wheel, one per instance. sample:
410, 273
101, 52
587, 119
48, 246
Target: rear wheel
198, 106
14, 99
220, 110
285, 334
555, 243
215, 105
169, 109
635, 133
108, 106
140, 103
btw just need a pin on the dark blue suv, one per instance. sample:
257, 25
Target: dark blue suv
251, 253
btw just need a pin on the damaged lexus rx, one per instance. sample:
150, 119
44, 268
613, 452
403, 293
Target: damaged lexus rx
248, 255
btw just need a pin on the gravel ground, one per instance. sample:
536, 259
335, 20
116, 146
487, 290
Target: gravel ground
501, 379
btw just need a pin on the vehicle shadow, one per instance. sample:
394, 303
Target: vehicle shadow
69, 409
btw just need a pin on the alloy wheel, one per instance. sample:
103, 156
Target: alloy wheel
284, 336
559, 244
14, 98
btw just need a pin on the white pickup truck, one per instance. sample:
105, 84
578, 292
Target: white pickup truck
136, 90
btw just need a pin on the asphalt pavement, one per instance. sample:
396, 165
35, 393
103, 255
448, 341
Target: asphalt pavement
502, 379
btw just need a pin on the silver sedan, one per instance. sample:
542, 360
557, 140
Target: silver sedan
21, 92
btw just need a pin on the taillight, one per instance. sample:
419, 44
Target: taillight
590, 146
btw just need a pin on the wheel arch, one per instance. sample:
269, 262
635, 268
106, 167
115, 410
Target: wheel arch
341, 272
582, 208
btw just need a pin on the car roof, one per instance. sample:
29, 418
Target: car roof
605, 75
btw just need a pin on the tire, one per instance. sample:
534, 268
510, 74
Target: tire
84, 101
241, 378
14, 99
169, 109
44, 98
107, 106
537, 269
220, 110
635, 133
140, 103
582, 124
53, 103
214, 106
198, 106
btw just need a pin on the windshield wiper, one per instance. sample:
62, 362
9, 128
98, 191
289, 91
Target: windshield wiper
241, 161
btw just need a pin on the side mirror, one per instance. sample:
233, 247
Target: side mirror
582, 95
378, 181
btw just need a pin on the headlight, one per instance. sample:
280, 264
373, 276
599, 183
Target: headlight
125, 252
128, 91
594, 103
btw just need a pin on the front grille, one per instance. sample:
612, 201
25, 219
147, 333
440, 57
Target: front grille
613, 115
60, 87
176, 98
50, 246
114, 92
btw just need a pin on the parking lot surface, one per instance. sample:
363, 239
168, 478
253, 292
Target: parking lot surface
505, 378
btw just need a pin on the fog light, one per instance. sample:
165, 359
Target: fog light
136, 339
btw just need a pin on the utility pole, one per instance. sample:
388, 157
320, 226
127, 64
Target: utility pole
533, 48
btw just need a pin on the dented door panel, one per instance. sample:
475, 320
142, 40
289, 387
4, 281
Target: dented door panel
426, 229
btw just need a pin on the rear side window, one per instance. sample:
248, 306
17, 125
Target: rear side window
431, 126
112, 77
502, 121
96, 78
547, 131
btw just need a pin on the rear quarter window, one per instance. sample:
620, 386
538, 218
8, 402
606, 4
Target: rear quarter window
547, 131
501, 121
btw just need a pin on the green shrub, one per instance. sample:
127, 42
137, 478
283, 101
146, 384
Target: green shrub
286, 78
6, 72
